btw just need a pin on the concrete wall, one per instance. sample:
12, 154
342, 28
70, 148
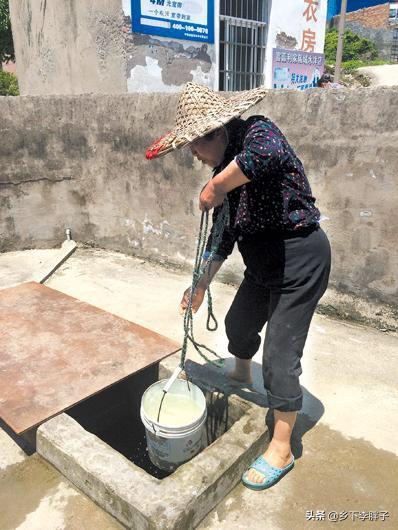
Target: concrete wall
79, 162
79, 47
69, 47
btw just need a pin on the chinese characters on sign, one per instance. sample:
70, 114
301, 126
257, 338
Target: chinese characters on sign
310, 12
185, 19
308, 40
296, 69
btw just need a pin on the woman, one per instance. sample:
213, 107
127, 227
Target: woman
275, 223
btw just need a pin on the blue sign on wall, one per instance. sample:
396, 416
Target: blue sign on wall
184, 19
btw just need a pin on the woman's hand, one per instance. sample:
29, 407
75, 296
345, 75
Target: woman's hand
196, 300
209, 198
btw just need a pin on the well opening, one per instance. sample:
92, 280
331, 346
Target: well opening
113, 415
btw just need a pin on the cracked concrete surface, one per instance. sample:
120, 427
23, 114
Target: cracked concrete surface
345, 440
39, 179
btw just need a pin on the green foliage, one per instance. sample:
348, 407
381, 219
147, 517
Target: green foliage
355, 47
6, 42
8, 84
331, 46
350, 66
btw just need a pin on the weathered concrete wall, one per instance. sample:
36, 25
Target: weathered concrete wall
79, 162
88, 47
157, 64
69, 47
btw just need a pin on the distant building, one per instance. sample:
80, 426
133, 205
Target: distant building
378, 23
334, 6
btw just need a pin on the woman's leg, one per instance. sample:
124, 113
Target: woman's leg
242, 371
292, 305
243, 324
278, 453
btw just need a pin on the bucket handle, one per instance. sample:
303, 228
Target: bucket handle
172, 378
154, 429
169, 384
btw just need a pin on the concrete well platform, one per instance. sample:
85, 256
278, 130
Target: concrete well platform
141, 501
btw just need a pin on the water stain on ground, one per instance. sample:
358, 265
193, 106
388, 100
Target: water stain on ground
23, 487
332, 474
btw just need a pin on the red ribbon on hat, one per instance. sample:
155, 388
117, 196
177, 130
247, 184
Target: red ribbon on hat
155, 147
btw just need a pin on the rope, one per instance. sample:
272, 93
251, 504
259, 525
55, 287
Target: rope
221, 222
198, 271
217, 407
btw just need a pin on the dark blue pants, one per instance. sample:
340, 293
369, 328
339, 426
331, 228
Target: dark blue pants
284, 279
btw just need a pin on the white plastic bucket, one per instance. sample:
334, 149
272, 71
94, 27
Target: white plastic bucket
171, 445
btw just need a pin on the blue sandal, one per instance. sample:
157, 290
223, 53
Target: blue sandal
272, 474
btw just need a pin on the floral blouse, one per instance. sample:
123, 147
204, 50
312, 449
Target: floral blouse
278, 197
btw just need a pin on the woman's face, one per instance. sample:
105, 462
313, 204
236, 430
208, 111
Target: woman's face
210, 151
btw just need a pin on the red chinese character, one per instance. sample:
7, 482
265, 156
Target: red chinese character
308, 42
312, 7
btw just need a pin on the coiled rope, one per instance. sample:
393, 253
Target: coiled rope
199, 270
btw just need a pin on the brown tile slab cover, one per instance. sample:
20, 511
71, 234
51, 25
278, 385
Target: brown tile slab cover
56, 351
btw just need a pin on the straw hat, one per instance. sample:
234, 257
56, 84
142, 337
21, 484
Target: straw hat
200, 111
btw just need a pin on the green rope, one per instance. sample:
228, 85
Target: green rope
198, 270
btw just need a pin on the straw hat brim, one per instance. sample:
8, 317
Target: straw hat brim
223, 111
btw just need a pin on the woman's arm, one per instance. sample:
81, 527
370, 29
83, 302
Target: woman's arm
211, 270
263, 149
215, 190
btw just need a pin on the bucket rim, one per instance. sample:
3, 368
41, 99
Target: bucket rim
176, 430
171, 432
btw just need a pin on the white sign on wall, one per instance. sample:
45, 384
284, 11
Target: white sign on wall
298, 25
178, 19
195, 9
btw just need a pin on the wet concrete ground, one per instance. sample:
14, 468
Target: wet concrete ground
333, 474
34, 496
345, 440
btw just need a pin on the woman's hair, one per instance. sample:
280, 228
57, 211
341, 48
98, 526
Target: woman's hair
211, 135
231, 129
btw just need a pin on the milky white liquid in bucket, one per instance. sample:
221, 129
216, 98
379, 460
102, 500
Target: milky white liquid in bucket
177, 436
177, 410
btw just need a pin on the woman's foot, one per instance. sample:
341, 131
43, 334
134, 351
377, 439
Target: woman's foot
242, 371
276, 456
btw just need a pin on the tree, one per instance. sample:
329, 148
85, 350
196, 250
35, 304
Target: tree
355, 47
8, 84
6, 42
